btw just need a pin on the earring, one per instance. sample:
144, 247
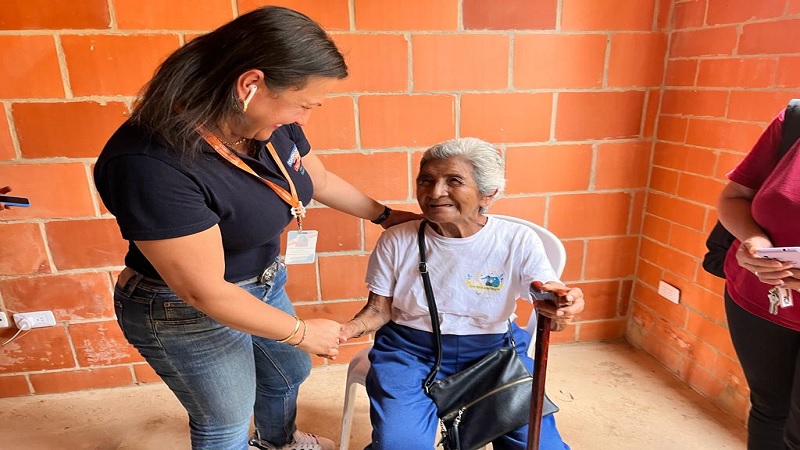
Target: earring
246, 101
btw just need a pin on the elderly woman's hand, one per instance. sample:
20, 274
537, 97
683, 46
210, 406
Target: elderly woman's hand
570, 303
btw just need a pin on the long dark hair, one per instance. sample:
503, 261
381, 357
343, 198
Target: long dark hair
197, 83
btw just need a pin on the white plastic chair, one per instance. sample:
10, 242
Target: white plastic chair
359, 364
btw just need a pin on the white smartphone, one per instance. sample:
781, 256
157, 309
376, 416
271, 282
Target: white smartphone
783, 254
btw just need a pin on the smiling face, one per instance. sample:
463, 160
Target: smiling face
268, 111
449, 198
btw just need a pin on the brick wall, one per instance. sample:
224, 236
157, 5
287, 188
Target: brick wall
568, 89
731, 66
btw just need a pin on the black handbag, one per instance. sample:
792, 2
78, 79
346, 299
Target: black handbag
720, 239
487, 400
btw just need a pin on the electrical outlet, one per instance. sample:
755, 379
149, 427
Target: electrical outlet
36, 319
4, 320
669, 292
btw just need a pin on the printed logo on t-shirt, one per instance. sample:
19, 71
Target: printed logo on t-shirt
485, 283
295, 161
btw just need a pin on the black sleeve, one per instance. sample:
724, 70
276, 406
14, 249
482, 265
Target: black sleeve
153, 200
299, 138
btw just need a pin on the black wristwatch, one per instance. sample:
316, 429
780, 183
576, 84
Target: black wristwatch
384, 215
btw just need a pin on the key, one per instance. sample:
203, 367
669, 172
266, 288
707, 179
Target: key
774, 300
786, 297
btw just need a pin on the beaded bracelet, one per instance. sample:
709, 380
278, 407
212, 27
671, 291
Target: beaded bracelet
303, 337
296, 327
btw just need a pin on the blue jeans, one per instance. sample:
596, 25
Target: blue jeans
220, 375
403, 416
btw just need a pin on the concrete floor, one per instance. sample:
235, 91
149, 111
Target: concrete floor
611, 397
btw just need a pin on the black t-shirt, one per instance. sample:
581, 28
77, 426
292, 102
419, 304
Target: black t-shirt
156, 194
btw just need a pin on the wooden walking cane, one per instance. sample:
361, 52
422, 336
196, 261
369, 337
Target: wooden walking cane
543, 325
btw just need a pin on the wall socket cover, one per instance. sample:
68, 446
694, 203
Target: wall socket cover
38, 319
4, 320
669, 292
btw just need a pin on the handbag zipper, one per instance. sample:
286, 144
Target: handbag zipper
461, 410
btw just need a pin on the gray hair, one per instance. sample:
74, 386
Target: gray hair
488, 167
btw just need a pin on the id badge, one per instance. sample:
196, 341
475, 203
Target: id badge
301, 247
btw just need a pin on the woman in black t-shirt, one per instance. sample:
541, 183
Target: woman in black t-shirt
209, 170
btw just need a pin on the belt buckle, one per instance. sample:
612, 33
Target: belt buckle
269, 273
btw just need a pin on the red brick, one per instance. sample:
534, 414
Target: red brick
672, 129
403, 120
689, 14
636, 59
676, 210
575, 256
56, 382
651, 112
657, 306
788, 67
711, 333
622, 165
599, 264
71, 199
699, 189
737, 72
22, 249
770, 38
333, 126
757, 106
686, 159
379, 175
114, 64
331, 14
70, 297
491, 117
510, 14
342, 276
40, 349
637, 212
337, 232
440, 59
692, 102
172, 15
793, 7
14, 386
143, 373
532, 209
92, 243
6, 145
302, 283
704, 42
101, 344
30, 68
614, 115
679, 263
376, 62
737, 11
722, 134
406, 15
603, 15
74, 129
609, 213
526, 168
606, 330
49, 15
681, 72
572, 60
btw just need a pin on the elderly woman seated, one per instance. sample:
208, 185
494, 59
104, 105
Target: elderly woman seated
479, 266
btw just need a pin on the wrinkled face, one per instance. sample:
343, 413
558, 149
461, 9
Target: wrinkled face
447, 192
268, 111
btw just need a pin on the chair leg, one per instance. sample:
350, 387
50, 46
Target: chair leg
347, 415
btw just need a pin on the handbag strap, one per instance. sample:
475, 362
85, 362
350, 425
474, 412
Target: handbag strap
434, 312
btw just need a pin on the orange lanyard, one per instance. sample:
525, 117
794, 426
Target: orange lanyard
297, 209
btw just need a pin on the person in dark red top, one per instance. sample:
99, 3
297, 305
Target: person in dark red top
760, 206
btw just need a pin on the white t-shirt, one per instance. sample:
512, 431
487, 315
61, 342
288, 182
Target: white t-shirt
476, 280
